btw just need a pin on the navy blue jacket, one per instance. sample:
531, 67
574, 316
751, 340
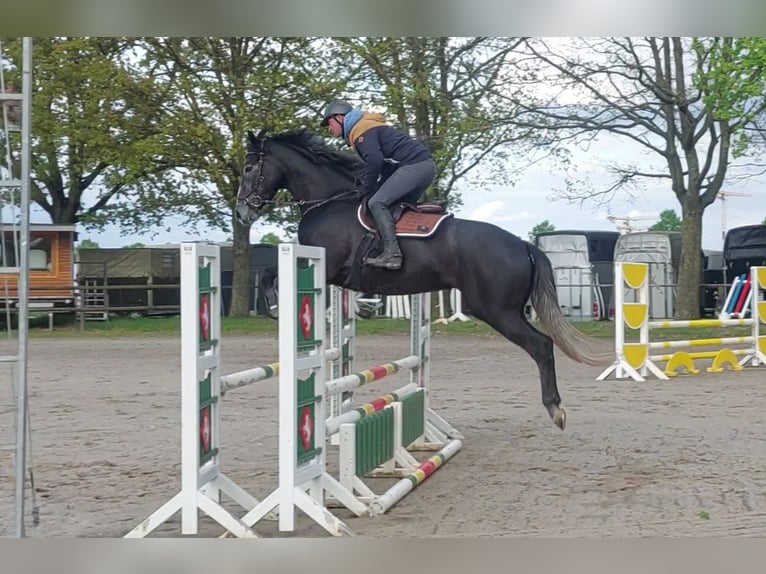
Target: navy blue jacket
383, 149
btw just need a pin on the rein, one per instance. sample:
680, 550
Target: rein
317, 203
312, 203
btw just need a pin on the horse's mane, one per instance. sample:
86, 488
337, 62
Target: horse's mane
316, 149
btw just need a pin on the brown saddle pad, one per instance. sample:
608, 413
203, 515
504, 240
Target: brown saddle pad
412, 220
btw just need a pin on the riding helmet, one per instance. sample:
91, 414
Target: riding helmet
335, 107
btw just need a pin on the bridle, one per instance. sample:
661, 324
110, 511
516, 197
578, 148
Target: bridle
255, 199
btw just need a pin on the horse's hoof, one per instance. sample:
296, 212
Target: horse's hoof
560, 418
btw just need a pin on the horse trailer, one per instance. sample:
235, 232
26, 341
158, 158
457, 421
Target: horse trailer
583, 263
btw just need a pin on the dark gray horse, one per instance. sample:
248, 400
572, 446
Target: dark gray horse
496, 271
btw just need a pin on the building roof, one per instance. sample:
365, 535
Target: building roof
39, 227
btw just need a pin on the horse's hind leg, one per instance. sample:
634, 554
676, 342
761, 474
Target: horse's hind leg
515, 327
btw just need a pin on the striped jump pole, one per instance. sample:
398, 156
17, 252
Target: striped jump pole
758, 313
702, 354
262, 373
248, 377
737, 302
366, 409
356, 380
700, 323
393, 495
701, 342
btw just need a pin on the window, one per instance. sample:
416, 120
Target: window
40, 253
40, 250
8, 250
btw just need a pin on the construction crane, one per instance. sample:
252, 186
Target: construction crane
625, 223
722, 195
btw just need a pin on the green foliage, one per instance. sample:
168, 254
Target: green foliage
87, 244
271, 239
446, 92
733, 82
137, 245
95, 128
218, 88
733, 85
541, 227
668, 221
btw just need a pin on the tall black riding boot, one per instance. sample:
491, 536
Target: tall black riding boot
391, 258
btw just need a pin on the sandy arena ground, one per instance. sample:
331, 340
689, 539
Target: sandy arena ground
635, 459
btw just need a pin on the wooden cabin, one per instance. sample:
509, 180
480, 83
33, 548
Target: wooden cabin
51, 262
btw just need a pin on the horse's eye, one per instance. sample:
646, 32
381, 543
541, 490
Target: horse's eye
248, 168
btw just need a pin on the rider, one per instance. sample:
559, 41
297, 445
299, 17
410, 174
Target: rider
398, 168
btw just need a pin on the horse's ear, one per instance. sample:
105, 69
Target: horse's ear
262, 133
252, 140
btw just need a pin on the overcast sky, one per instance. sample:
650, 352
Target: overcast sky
532, 199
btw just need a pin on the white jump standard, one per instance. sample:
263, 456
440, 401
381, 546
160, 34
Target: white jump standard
202, 480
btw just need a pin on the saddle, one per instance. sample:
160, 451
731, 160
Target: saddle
419, 220
413, 220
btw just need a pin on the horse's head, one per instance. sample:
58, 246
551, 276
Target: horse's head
298, 160
260, 181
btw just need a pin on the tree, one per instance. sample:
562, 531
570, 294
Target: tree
541, 227
88, 244
668, 221
219, 88
688, 103
137, 245
85, 244
764, 221
95, 149
443, 91
271, 239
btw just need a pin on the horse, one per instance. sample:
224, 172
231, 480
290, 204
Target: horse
497, 272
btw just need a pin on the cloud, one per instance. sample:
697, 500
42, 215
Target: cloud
496, 212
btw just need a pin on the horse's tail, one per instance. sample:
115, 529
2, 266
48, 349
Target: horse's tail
545, 301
